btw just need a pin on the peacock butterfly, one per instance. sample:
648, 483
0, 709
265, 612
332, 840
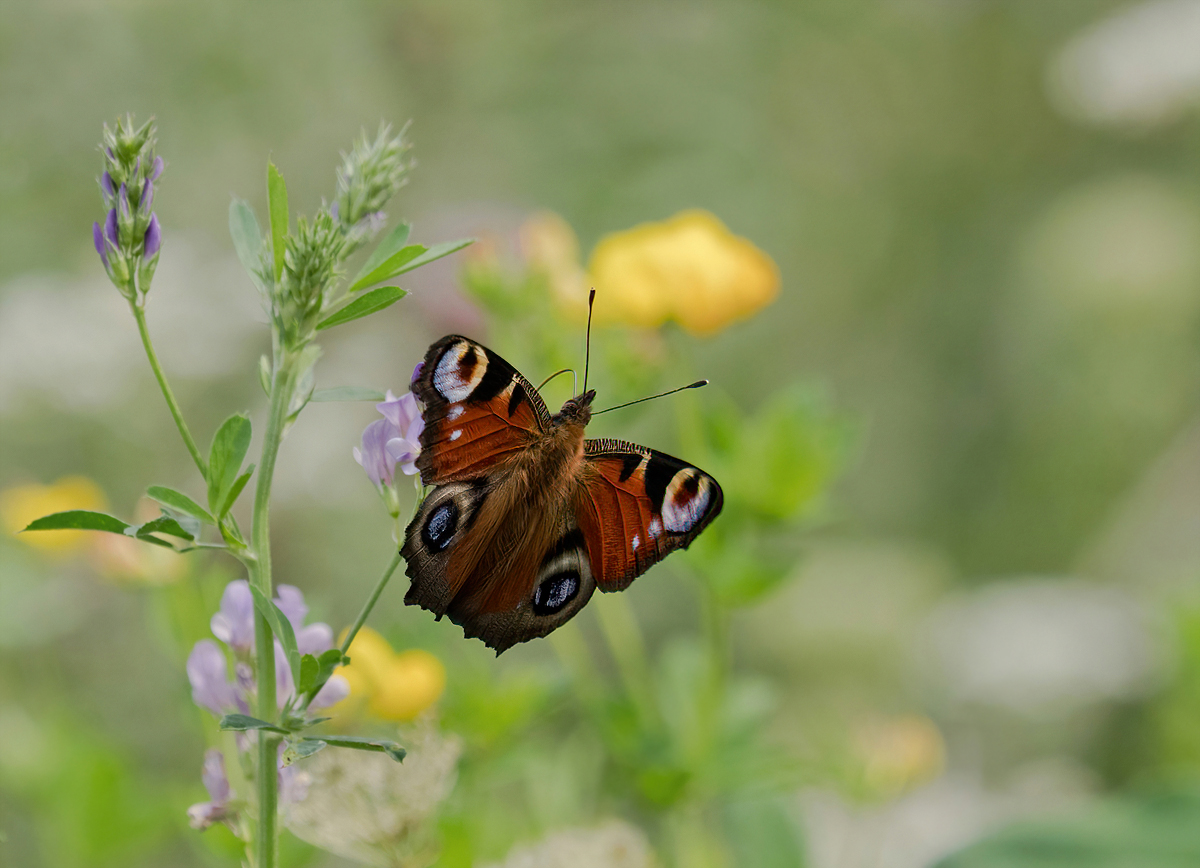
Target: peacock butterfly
527, 518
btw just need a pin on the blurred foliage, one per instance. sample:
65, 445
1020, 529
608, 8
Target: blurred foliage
983, 363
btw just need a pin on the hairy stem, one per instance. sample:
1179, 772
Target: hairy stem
139, 314
266, 838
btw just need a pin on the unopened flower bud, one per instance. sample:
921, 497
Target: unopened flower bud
153, 239
110, 227
147, 195
156, 169
106, 187
98, 240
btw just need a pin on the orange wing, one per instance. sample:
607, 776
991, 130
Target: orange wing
479, 412
636, 506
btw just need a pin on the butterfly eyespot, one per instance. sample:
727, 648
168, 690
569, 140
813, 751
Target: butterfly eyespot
459, 370
555, 592
440, 526
686, 501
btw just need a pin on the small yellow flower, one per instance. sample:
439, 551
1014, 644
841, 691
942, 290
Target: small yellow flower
22, 504
690, 269
900, 753
392, 686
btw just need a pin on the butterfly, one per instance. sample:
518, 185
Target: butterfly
526, 517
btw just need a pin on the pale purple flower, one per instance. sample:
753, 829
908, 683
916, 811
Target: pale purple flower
147, 195
98, 240
209, 677
110, 227
234, 623
334, 212
394, 439
204, 814
153, 238
311, 638
106, 187
156, 169
123, 202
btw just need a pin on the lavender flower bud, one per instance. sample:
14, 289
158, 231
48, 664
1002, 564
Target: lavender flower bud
153, 238
123, 204
156, 169
106, 187
147, 196
110, 227
98, 240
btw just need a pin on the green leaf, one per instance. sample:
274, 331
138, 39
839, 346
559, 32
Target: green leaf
309, 667
277, 199
162, 524
234, 491
300, 749
322, 668
281, 627
390, 267
362, 742
365, 305
243, 722
247, 238
181, 502
347, 393
78, 519
437, 251
229, 447
387, 248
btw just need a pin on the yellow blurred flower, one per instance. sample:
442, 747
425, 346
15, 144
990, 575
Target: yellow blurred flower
689, 268
392, 686
21, 504
900, 753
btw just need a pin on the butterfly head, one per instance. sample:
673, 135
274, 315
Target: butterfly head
578, 410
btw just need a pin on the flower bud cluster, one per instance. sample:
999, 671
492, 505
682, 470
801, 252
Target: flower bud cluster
129, 240
370, 175
310, 268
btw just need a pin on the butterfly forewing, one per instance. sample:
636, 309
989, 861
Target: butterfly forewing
479, 412
637, 505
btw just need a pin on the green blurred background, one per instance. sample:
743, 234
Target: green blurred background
987, 219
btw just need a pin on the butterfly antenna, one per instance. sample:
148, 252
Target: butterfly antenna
555, 374
695, 385
587, 342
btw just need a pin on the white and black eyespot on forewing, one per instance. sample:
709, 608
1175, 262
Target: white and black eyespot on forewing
686, 500
444, 516
459, 370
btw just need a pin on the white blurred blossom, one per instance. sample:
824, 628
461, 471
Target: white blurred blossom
614, 844
1139, 66
367, 807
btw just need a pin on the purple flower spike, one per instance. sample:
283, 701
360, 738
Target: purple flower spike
110, 227
209, 678
98, 240
106, 187
156, 169
147, 195
234, 623
204, 814
153, 237
396, 438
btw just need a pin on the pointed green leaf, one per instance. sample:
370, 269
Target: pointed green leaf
247, 238
162, 524
309, 667
437, 251
281, 627
347, 393
181, 502
234, 490
390, 267
78, 519
300, 749
243, 722
277, 199
229, 447
366, 304
324, 667
134, 532
388, 247
360, 742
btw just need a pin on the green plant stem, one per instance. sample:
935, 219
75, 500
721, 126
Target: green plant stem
360, 620
266, 837
139, 314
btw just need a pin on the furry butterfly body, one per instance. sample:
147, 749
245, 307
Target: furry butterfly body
527, 517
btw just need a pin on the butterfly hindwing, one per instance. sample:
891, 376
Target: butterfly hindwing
442, 521
479, 412
636, 505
